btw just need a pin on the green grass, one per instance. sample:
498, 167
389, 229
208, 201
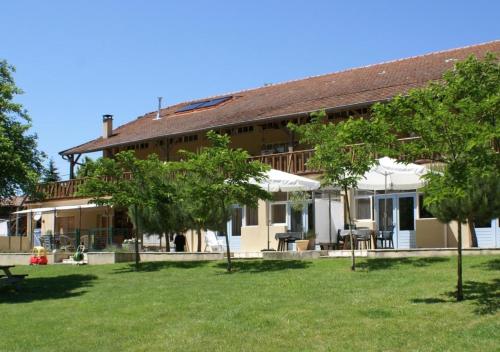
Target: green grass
387, 305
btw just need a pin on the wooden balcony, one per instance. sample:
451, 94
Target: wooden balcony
292, 162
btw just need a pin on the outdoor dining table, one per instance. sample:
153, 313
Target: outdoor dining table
10, 279
358, 233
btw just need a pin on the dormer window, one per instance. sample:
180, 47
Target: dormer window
204, 104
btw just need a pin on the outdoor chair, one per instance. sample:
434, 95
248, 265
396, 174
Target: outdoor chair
386, 238
213, 243
340, 241
363, 236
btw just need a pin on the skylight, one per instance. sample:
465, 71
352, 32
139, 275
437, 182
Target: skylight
203, 104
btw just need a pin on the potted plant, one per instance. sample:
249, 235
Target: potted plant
302, 245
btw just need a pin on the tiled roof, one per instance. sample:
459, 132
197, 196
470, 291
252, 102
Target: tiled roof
334, 90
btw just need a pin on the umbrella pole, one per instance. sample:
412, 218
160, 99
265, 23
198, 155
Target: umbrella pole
385, 201
268, 220
330, 215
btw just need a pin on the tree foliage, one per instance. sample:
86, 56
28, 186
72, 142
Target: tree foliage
455, 120
343, 150
20, 161
218, 177
51, 173
141, 186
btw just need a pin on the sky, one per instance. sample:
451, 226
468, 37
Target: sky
77, 60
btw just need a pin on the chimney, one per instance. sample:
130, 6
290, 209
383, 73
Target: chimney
107, 126
159, 109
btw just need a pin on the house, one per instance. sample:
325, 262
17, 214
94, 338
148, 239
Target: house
256, 120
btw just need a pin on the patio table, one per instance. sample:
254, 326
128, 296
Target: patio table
359, 235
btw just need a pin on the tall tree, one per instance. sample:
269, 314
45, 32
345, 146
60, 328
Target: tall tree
20, 161
51, 174
344, 151
132, 183
455, 124
220, 177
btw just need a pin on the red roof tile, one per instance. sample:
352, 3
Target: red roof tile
345, 88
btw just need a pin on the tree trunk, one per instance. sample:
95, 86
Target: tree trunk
460, 294
228, 252
198, 231
351, 236
136, 244
472, 230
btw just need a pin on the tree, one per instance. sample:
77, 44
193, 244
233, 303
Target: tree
125, 181
218, 177
86, 168
51, 174
344, 151
20, 161
454, 122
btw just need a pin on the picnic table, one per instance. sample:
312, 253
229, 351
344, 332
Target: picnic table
9, 279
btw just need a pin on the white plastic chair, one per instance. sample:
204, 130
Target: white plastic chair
213, 243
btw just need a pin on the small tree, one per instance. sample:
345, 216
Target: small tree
86, 168
455, 122
219, 177
20, 161
344, 151
128, 182
51, 174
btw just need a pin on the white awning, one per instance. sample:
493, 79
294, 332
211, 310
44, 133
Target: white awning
392, 175
66, 207
276, 181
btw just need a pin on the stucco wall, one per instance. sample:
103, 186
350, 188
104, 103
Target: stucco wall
254, 238
430, 233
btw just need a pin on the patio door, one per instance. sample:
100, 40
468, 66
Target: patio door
234, 228
399, 210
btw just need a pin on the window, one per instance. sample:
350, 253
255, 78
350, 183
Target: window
251, 216
422, 211
204, 104
278, 213
363, 205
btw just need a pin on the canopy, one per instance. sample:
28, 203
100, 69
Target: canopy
67, 207
389, 174
279, 181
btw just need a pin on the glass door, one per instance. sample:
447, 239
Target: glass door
398, 211
405, 223
234, 228
486, 232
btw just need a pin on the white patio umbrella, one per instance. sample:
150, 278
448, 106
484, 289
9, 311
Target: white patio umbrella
279, 181
389, 174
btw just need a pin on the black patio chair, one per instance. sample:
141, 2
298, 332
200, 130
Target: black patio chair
386, 237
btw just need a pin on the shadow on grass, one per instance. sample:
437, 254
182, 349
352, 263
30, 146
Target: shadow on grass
156, 266
41, 288
484, 295
259, 266
388, 263
493, 265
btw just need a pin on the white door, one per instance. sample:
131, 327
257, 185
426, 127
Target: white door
398, 210
234, 228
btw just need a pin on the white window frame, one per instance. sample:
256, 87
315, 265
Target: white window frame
364, 196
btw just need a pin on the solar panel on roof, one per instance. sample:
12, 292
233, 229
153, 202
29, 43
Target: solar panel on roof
203, 104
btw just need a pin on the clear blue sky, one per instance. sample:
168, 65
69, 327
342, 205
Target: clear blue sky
77, 60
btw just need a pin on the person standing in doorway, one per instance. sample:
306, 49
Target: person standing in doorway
180, 242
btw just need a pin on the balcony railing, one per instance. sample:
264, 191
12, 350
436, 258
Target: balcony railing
292, 162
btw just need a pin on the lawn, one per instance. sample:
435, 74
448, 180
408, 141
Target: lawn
387, 305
